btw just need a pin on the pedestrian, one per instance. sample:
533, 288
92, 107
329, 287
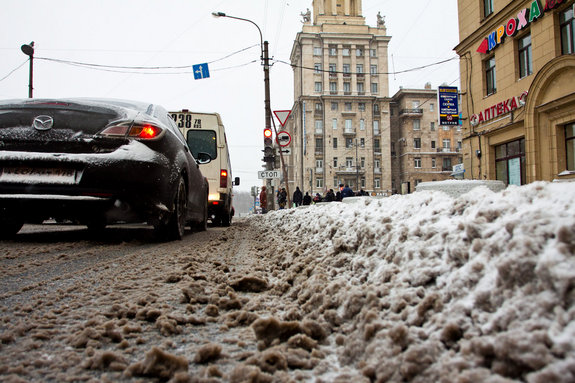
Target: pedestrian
306, 199
329, 196
264, 200
346, 192
282, 199
338, 196
316, 198
297, 197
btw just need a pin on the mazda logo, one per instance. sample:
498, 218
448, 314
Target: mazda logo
43, 122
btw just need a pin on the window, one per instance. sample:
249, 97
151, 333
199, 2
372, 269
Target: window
524, 53
333, 50
334, 106
332, 69
335, 162
346, 70
359, 51
347, 87
317, 51
348, 126
417, 162
416, 125
318, 126
362, 143
362, 124
433, 162
417, 143
432, 126
347, 106
510, 162
318, 107
377, 165
317, 68
487, 7
446, 145
319, 145
202, 141
489, 66
359, 68
319, 164
361, 90
376, 144
374, 87
335, 182
361, 106
432, 144
376, 127
373, 53
333, 89
447, 165
345, 51
348, 162
570, 146
567, 27
318, 87
375, 108
349, 143
363, 182
373, 69
334, 123
431, 107
319, 183
335, 142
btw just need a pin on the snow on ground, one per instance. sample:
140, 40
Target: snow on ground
417, 288
430, 288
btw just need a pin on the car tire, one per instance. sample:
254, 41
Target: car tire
10, 226
174, 227
226, 218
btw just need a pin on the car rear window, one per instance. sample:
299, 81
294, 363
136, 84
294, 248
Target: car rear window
203, 141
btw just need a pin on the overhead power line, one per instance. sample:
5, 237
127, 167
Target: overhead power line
388, 73
14, 70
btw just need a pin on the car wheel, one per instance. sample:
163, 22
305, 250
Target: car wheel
175, 226
10, 226
227, 219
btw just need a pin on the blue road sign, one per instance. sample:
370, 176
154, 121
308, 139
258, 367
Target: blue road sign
201, 71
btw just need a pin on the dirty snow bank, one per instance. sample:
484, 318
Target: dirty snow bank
426, 287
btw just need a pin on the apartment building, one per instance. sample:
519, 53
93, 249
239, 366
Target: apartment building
421, 149
518, 87
340, 119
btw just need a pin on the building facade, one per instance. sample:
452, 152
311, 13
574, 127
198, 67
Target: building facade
340, 118
518, 87
421, 149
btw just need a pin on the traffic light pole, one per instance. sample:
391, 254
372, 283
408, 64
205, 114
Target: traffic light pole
267, 105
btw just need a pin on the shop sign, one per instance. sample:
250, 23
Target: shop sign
448, 97
499, 109
523, 19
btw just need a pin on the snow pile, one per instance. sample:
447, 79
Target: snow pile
429, 288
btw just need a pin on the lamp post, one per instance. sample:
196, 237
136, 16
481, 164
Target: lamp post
268, 113
28, 50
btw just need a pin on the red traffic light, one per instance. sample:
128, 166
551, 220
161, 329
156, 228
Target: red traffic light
267, 133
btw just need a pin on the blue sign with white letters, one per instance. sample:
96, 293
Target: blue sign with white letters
201, 71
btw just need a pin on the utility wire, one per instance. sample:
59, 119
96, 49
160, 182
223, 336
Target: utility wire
364, 73
83, 64
14, 70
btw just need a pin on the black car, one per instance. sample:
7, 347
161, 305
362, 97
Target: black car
96, 162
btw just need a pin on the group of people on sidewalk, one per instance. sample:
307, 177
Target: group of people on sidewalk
299, 199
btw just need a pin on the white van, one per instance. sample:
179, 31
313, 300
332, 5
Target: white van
205, 133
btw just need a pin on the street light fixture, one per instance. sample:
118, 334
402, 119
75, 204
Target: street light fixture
28, 50
266, 64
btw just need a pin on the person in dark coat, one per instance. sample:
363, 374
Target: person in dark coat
306, 199
347, 192
297, 197
264, 200
282, 198
329, 196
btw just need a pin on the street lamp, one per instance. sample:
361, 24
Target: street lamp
268, 113
28, 50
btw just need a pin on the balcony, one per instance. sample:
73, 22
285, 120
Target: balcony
411, 112
448, 150
349, 132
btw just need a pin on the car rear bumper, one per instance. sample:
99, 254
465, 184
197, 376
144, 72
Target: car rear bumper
130, 184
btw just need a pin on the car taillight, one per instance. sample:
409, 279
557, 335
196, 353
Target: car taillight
139, 131
223, 178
